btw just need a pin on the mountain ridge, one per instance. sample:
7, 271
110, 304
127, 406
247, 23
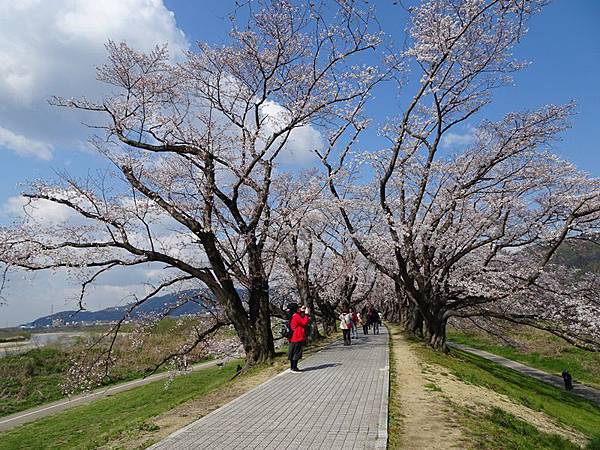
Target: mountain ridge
151, 307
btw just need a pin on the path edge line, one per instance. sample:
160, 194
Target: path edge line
382, 428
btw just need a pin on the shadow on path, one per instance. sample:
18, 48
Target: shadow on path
321, 366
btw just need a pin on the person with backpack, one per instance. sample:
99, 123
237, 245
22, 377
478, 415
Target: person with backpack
346, 325
297, 324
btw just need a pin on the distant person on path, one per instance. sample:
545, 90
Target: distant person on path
298, 324
374, 319
354, 323
346, 325
364, 321
568, 380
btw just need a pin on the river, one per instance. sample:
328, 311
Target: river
40, 340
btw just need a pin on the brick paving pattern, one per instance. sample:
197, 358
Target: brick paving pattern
339, 401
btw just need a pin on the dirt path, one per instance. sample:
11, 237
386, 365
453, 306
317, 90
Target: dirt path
481, 399
427, 421
427, 393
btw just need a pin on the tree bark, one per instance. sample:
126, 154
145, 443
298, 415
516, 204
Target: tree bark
253, 326
436, 333
328, 315
408, 315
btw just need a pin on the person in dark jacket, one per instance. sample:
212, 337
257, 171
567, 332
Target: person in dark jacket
298, 324
568, 379
373, 318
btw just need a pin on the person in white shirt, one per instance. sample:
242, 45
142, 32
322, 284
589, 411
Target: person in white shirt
346, 325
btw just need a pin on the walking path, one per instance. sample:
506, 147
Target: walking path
340, 400
578, 389
8, 422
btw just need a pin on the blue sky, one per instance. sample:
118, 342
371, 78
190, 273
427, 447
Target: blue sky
52, 48
563, 46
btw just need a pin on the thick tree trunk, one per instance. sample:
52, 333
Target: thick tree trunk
409, 316
436, 333
391, 310
263, 346
411, 320
328, 316
253, 327
306, 291
313, 330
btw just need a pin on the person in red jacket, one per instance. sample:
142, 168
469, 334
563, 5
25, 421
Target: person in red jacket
298, 324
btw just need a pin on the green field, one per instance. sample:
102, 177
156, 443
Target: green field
499, 429
31, 379
542, 351
127, 413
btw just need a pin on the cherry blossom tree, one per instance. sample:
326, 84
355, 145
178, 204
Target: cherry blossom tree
471, 232
193, 147
317, 252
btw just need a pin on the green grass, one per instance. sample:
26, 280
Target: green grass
35, 377
31, 379
570, 410
432, 387
103, 421
594, 444
549, 354
503, 431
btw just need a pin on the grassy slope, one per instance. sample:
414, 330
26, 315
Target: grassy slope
499, 429
128, 413
95, 424
541, 351
31, 379
35, 377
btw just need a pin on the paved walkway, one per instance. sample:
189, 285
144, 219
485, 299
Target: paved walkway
578, 389
340, 400
14, 420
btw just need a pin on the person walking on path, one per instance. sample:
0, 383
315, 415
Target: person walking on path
568, 379
354, 323
364, 320
298, 324
374, 319
346, 325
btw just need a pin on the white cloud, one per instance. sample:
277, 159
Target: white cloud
24, 146
39, 210
53, 48
46, 45
302, 145
303, 141
453, 140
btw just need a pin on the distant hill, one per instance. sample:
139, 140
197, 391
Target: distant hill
151, 307
579, 254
